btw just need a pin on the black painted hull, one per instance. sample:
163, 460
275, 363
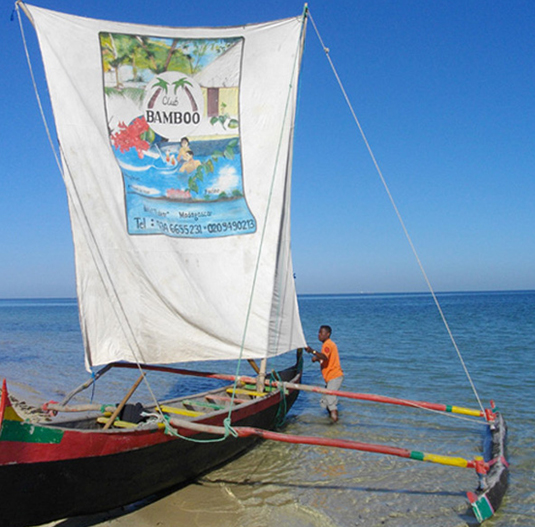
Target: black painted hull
488, 498
39, 492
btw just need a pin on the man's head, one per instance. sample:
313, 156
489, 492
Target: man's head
324, 333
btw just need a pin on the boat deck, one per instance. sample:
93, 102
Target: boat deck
189, 407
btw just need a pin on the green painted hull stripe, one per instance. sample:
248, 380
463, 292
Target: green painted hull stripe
29, 433
482, 509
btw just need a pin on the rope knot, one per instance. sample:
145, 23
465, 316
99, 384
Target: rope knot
168, 428
227, 423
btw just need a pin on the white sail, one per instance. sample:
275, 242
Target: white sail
182, 247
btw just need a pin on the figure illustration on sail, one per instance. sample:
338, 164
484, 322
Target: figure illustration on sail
176, 153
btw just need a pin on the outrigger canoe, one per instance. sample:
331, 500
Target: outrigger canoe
74, 466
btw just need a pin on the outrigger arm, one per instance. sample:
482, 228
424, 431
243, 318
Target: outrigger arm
493, 473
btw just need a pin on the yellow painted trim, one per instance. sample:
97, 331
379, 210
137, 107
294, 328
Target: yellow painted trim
117, 423
465, 411
180, 411
243, 391
11, 415
446, 460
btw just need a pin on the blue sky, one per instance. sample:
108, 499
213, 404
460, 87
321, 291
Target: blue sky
445, 92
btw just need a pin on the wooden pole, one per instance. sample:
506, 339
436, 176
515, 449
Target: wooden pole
247, 431
261, 377
123, 402
254, 365
438, 407
56, 407
25, 11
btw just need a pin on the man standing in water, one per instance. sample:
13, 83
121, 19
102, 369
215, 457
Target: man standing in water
330, 368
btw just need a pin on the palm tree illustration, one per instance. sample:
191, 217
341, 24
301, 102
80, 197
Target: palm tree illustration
161, 84
184, 83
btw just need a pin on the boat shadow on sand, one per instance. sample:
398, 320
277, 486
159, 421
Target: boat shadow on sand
104, 518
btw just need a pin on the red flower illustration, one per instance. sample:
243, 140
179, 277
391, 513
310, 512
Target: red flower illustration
130, 137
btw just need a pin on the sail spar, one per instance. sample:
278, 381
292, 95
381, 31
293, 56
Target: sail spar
176, 150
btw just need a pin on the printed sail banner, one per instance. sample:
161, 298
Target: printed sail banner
173, 114
176, 148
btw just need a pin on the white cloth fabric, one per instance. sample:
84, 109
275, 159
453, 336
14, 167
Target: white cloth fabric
162, 297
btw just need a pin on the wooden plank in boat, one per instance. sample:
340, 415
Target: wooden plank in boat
117, 423
180, 411
242, 391
203, 404
226, 398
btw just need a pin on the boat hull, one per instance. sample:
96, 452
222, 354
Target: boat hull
36, 492
486, 500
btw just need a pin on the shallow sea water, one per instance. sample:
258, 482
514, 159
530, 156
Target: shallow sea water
392, 345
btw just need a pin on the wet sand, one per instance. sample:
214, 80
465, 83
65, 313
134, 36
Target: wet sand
202, 504
208, 503
194, 505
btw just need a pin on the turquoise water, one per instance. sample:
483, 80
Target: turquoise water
397, 345
391, 345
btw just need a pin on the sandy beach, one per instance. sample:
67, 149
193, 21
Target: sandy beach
205, 504
194, 505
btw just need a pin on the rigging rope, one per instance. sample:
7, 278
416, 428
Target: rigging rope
406, 232
43, 117
284, 278
282, 410
88, 232
268, 208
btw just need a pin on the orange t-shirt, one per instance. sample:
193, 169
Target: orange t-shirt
330, 368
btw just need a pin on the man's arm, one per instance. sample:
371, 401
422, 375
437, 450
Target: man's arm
316, 355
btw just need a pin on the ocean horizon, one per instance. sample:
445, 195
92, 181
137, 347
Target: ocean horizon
358, 294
